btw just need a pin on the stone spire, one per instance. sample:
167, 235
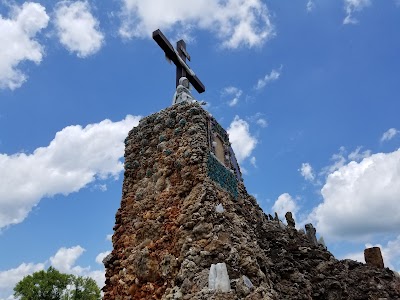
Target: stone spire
187, 228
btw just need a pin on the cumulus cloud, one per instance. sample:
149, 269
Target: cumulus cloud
361, 199
243, 143
64, 260
235, 22
307, 171
389, 134
74, 158
77, 29
352, 6
233, 92
283, 204
274, 75
18, 44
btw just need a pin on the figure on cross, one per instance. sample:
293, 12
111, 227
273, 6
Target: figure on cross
184, 75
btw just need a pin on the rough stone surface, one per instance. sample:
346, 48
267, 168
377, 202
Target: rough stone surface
290, 220
167, 232
311, 234
373, 257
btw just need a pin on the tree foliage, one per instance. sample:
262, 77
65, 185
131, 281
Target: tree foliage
84, 288
53, 285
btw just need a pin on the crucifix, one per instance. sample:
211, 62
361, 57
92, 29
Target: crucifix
178, 57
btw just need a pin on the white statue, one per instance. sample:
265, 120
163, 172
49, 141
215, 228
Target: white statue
182, 93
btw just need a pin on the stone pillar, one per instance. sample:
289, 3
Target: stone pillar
289, 219
373, 257
310, 232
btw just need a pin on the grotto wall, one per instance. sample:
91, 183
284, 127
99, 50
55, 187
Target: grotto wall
188, 229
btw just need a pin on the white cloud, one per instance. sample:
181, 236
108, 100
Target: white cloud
74, 158
243, 143
64, 261
262, 122
101, 256
17, 42
259, 119
283, 204
101, 187
339, 160
357, 155
274, 75
235, 22
357, 256
352, 6
361, 199
307, 171
9, 278
109, 237
389, 134
253, 162
232, 91
77, 29
310, 5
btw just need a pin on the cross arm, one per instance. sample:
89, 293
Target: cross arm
170, 52
164, 44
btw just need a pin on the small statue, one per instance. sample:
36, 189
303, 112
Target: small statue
182, 93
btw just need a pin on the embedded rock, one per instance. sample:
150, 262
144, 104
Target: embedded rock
218, 279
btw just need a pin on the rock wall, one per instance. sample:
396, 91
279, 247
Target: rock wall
184, 212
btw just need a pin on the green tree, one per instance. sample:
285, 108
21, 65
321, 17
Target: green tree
53, 285
42, 285
84, 288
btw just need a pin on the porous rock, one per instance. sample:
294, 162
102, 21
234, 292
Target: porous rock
168, 232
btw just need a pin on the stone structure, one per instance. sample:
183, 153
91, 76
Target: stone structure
289, 219
187, 229
311, 234
373, 257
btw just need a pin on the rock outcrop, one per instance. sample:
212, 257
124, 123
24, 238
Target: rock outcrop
187, 228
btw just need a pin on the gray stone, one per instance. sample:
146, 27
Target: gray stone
219, 208
321, 242
218, 278
311, 234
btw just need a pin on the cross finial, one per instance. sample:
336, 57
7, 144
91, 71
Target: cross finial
179, 57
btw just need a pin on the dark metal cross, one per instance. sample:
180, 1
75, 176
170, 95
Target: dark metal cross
179, 58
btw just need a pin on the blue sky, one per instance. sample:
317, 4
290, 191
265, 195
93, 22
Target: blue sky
308, 90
